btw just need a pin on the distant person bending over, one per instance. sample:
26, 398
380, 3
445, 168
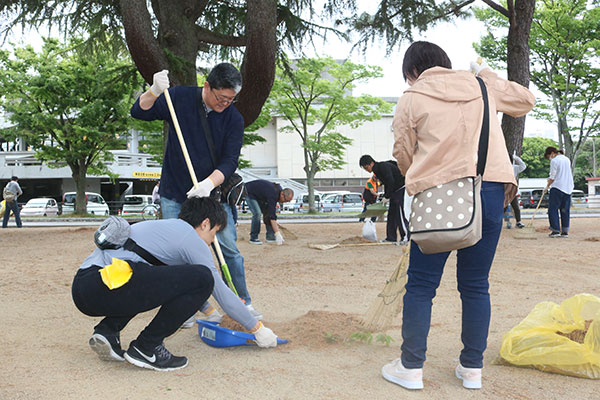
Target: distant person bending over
180, 288
262, 197
393, 182
437, 124
215, 101
370, 195
560, 185
13, 187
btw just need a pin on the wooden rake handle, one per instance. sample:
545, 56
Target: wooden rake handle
188, 162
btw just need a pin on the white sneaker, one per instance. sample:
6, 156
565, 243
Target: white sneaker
471, 377
254, 313
214, 316
191, 321
407, 378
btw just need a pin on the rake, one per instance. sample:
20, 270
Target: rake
389, 301
528, 231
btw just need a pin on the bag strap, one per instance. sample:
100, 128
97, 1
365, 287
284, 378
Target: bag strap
484, 137
205, 127
131, 245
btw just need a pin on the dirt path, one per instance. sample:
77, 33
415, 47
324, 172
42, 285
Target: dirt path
312, 297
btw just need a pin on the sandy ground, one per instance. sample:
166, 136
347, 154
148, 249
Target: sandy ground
313, 297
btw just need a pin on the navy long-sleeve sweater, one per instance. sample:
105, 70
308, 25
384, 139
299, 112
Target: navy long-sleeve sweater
227, 131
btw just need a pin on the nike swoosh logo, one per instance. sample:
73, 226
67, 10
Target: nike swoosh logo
151, 359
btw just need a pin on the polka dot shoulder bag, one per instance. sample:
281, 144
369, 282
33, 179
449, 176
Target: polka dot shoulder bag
447, 217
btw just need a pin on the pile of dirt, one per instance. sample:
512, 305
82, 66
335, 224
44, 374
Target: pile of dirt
578, 335
318, 329
356, 240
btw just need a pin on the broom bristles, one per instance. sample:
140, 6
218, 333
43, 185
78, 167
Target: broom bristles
389, 301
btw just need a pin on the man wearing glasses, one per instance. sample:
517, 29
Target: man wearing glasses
226, 123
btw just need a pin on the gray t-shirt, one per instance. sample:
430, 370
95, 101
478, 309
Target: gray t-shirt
175, 242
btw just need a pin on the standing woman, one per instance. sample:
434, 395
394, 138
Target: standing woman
437, 127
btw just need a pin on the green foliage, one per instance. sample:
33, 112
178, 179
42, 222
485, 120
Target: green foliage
383, 338
69, 108
314, 96
533, 156
331, 337
366, 337
585, 163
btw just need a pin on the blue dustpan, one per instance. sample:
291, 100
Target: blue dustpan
217, 336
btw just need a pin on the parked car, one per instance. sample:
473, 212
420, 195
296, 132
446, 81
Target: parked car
302, 200
41, 207
352, 202
579, 199
292, 205
531, 197
134, 204
95, 203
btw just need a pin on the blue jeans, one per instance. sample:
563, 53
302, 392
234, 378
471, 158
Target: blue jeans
227, 237
559, 202
472, 272
14, 207
256, 221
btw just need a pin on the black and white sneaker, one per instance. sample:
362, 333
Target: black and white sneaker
160, 359
554, 235
564, 234
108, 347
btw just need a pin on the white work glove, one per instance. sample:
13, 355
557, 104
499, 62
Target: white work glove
160, 82
265, 337
478, 66
214, 316
202, 190
279, 238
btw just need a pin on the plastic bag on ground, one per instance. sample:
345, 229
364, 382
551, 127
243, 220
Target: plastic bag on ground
563, 338
369, 231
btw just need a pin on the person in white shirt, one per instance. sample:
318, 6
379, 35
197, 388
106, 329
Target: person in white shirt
560, 185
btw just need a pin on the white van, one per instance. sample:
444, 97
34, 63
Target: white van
135, 203
95, 203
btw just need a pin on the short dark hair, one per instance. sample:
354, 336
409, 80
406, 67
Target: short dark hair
196, 209
225, 76
421, 56
365, 160
550, 150
14, 178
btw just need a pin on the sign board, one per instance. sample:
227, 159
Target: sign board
137, 174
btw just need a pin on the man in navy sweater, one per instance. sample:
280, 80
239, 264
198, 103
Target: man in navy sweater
262, 197
215, 99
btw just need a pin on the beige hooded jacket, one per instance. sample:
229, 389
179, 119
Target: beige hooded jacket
437, 125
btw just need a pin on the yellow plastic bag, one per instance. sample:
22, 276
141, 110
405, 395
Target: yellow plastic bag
2, 207
549, 338
116, 274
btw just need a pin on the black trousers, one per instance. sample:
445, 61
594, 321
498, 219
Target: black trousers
396, 220
179, 291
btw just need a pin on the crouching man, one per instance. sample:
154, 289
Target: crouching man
118, 284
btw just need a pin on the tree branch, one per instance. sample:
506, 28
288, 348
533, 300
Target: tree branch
497, 7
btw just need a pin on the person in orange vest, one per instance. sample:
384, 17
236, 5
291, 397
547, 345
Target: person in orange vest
370, 194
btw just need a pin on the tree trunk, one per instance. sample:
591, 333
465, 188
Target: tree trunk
145, 51
520, 19
258, 67
79, 176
